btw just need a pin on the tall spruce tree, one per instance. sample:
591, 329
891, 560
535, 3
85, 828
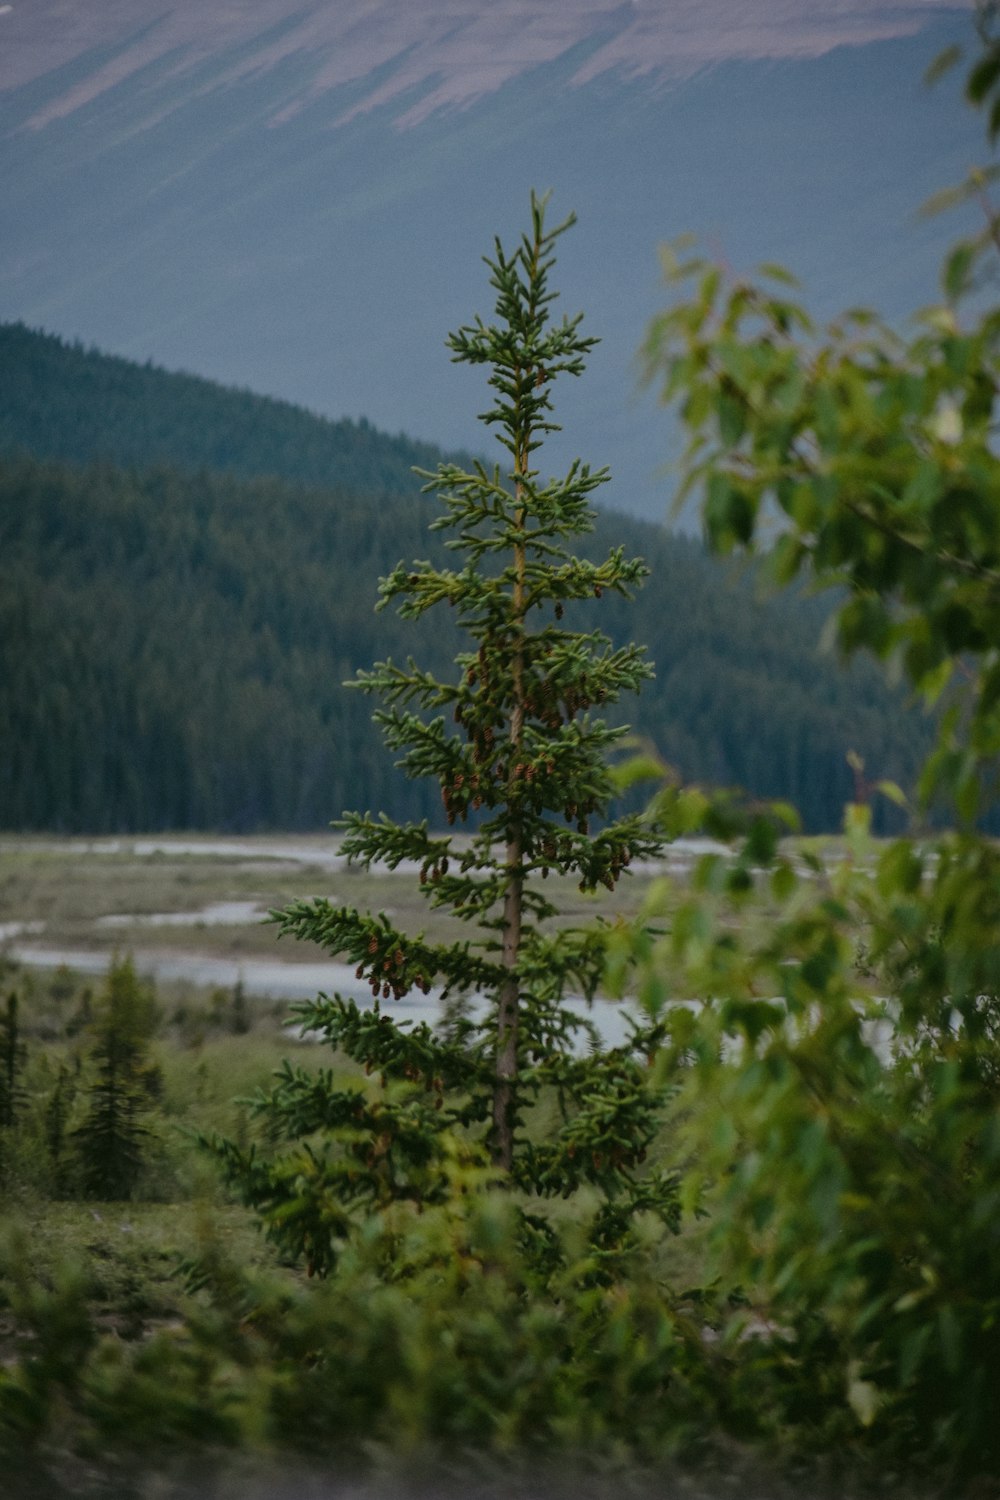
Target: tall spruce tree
524, 762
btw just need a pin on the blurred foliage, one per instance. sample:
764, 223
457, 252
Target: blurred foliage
843, 1075
438, 1349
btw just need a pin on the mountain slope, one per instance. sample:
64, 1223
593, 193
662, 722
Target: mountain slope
65, 402
237, 221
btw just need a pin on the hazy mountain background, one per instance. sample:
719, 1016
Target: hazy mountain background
295, 197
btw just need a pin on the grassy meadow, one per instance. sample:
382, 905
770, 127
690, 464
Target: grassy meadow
209, 1049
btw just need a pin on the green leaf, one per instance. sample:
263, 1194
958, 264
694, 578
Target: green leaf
729, 513
857, 820
731, 413
863, 1397
893, 792
782, 274
957, 271
943, 63
635, 770
983, 76
762, 841
950, 1336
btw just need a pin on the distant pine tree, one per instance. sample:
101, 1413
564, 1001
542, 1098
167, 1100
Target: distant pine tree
112, 1141
12, 1058
58, 1110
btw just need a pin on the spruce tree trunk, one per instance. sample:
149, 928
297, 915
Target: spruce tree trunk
508, 1012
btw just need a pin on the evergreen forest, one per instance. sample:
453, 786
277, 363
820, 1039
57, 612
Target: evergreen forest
188, 578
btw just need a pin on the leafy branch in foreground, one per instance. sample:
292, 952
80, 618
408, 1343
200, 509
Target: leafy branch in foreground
844, 1076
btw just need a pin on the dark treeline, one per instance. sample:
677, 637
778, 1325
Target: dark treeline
62, 400
173, 649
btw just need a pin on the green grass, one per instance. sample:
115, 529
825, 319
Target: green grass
129, 1255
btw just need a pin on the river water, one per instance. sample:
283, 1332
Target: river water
271, 979
267, 978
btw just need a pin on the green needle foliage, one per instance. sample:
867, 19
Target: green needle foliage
12, 1057
13, 1054
113, 1140
519, 1089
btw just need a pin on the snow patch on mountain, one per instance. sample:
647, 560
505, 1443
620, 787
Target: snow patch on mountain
428, 54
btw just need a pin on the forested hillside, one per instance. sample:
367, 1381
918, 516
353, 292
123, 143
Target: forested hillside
277, 218
63, 401
173, 643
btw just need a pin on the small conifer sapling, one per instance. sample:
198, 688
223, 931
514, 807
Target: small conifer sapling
517, 742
